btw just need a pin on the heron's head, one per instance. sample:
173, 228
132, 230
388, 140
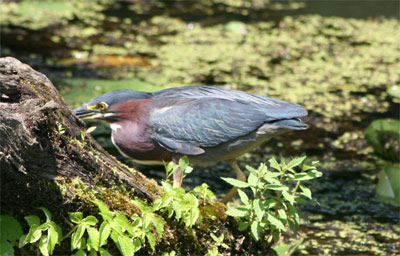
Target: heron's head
104, 107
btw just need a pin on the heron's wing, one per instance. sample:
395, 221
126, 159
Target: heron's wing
188, 125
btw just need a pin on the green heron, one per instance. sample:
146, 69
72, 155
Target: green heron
206, 123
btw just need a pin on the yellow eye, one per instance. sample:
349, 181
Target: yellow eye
102, 106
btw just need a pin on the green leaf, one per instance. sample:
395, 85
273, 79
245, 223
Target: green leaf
306, 191
10, 228
243, 226
296, 162
282, 214
183, 162
46, 213
125, 245
300, 176
274, 164
275, 221
257, 208
43, 245
52, 236
256, 230
34, 234
194, 215
80, 253
277, 187
104, 252
76, 237
105, 230
237, 212
314, 174
235, 182
75, 217
293, 226
90, 220
252, 180
94, 239
215, 238
152, 240
288, 197
159, 226
6, 248
137, 244
21, 242
104, 210
282, 249
243, 197
32, 220
121, 221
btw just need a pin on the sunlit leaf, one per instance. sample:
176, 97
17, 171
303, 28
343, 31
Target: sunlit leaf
151, 238
243, 197
90, 220
256, 230
32, 220
105, 230
75, 217
94, 238
274, 164
290, 198
236, 183
306, 191
257, 208
76, 237
126, 246
43, 245
296, 162
46, 213
104, 210
252, 180
236, 212
275, 221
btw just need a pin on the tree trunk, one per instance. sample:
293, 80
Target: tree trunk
43, 147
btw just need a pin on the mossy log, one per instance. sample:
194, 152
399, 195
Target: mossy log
43, 147
47, 161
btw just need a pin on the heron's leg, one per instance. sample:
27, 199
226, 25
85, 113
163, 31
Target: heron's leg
178, 176
239, 175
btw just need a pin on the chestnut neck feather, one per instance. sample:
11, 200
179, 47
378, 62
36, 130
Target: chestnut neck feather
133, 137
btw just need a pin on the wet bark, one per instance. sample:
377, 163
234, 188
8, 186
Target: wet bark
41, 146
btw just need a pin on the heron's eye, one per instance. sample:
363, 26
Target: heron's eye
102, 106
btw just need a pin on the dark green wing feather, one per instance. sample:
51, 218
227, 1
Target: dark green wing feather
187, 119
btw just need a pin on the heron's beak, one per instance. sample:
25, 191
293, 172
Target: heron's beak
85, 112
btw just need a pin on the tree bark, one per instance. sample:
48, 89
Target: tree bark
41, 144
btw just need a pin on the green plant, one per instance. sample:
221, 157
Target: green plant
203, 192
175, 201
183, 164
272, 212
48, 241
10, 232
219, 242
